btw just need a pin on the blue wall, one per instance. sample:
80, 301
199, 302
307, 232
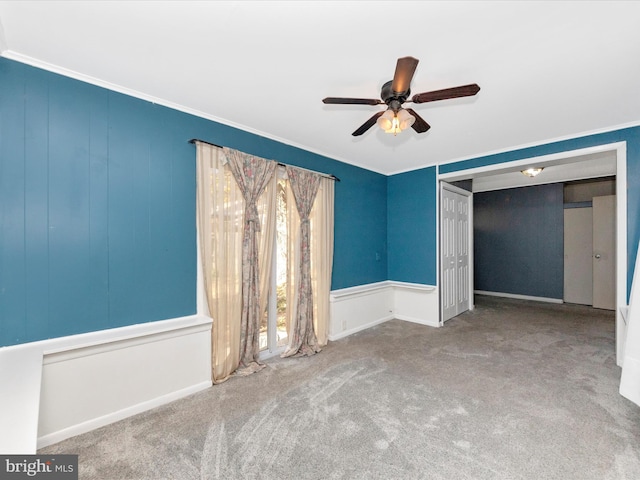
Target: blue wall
518, 241
412, 237
97, 207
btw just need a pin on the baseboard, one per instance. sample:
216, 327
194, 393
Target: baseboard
428, 322
94, 423
519, 297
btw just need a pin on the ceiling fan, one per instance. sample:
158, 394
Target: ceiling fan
396, 92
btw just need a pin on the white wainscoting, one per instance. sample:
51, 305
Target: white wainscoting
416, 303
87, 386
357, 308
66, 386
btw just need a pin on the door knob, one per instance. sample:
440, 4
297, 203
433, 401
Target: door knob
597, 255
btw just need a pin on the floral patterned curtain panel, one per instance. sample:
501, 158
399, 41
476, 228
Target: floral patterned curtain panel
252, 174
302, 337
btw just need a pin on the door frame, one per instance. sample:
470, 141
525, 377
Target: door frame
469, 196
572, 156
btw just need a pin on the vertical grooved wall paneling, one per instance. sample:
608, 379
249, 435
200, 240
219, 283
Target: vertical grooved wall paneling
98, 199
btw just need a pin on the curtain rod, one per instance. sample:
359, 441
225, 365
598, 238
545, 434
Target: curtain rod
328, 175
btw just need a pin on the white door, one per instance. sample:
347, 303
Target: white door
604, 253
448, 255
578, 255
462, 253
454, 245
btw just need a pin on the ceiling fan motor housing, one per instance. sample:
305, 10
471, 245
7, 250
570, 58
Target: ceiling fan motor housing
393, 99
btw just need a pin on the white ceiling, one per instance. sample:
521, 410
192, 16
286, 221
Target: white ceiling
547, 70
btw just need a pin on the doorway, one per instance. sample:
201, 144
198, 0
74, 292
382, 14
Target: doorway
589, 242
600, 160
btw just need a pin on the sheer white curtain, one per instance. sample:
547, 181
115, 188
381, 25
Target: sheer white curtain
220, 207
221, 211
321, 219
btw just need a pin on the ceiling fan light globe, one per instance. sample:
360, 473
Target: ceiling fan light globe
405, 119
385, 121
395, 126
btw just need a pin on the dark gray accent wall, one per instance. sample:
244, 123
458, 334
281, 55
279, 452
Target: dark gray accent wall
518, 241
464, 184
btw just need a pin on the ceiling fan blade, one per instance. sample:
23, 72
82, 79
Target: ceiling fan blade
405, 68
455, 92
367, 125
419, 125
351, 101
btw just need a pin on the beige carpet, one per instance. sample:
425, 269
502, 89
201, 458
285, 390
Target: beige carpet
513, 390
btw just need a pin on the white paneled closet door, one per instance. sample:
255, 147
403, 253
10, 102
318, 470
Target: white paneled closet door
455, 251
604, 252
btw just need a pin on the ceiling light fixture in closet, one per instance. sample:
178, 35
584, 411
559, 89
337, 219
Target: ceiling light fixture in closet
531, 172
